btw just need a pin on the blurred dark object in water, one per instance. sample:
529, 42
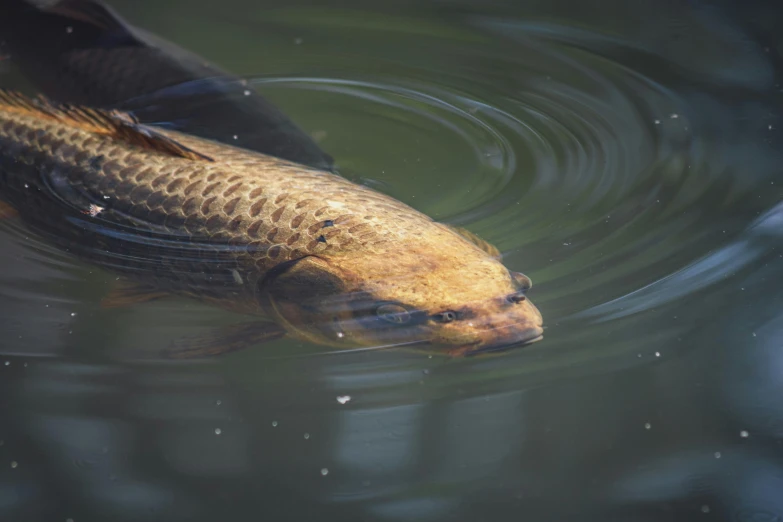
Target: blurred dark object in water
79, 51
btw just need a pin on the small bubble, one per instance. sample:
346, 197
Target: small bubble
73, 314
340, 335
306, 436
657, 354
236, 137
14, 464
342, 399
674, 116
218, 431
26, 185
218, 402
657, 122
705, 508
274, 424
247, 92
647, 425
744, 434
717, 454
8, 363
324, 471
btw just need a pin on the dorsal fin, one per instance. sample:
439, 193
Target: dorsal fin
489, 248
118, 125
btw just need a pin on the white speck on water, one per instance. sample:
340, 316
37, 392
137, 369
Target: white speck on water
744, 434
73, 314
342, 399
657, 354
639, 355
14, 464
218, 402
218, 431
647, 425
769, 127
754, 334
340, 335
674, 116
247, 92
8, 363
306, 436
25, 365
657, 122
324, 471
69, 29
26, 185
717, 454
274, 424
705, 508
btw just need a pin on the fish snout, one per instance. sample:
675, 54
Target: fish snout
517, 325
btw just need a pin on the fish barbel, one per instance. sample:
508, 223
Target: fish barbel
307, 252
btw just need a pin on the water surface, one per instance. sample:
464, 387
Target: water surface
626, 156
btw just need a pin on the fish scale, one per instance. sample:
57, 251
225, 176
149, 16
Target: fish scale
246, 211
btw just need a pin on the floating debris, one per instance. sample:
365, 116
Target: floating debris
324, 471
343, 399
93, 210
218, 431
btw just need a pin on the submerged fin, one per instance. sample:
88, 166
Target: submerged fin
91, 12
224, 340
489, 248
128, 294
119, 125
7, 211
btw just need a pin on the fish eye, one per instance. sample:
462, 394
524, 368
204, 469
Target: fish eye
393, 313
445, 317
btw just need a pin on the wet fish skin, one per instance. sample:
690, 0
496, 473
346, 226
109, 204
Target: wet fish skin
329, 261
82, 52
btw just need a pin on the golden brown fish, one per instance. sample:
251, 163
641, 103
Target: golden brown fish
308, 252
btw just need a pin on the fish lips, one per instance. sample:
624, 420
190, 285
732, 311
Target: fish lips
525, 337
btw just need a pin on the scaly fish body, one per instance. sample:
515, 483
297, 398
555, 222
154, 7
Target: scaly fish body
328, 260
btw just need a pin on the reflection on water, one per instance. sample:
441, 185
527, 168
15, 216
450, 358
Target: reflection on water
626, 157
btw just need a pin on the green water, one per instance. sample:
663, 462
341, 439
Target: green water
624, 155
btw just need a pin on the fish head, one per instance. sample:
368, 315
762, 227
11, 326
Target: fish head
467, 303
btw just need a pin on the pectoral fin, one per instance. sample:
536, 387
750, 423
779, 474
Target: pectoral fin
489, 248
7, 211
224, 340
128, 294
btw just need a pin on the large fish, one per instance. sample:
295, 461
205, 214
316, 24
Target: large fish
81, 52
308, 253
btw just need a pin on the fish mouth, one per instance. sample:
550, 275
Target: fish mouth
527, 337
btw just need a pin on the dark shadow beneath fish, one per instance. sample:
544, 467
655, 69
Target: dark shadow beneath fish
81, 52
